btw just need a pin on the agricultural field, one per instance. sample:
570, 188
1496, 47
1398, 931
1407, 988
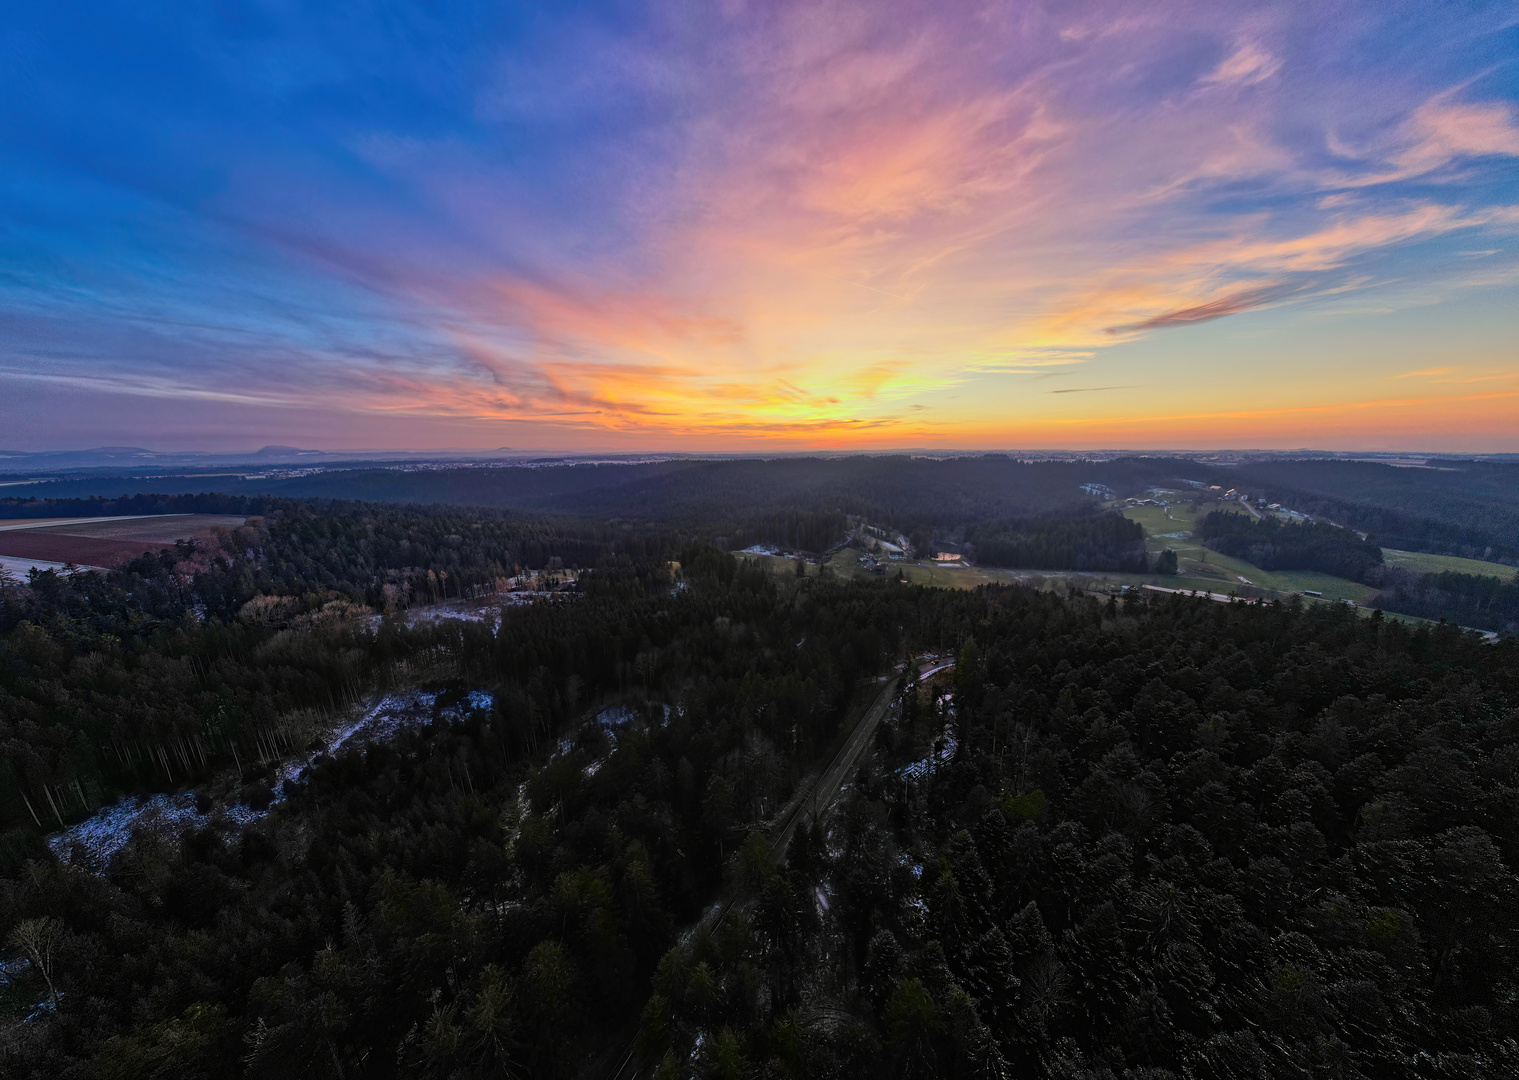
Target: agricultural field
157, 529
1203, 577
953, 576
6, 524
1421, 563
1197, 561
1171, 527
950, 576
102, 542
1164, 525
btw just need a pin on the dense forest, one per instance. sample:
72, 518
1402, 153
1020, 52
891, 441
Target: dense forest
1132, 838
163, 668
491, 893
1168, 837
804, 530
1171, 838
1290, 545
807, 530
1095, 542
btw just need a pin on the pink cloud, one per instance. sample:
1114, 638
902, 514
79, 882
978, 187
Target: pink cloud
1443, 132
1247, 65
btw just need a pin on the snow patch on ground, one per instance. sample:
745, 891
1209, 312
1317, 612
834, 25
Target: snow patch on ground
945, 747
391, 715
488, 611
615, 716
112, 827
100, 837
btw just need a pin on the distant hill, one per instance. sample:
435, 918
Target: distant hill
1454, 507
902, 491
1467, 508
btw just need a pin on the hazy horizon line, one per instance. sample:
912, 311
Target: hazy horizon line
380, 452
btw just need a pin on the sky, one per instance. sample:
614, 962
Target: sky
758, 227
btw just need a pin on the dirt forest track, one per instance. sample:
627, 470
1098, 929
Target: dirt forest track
815, 800
826, 787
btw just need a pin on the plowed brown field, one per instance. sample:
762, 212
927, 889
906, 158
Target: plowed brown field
164, 530
80, 550
109, 541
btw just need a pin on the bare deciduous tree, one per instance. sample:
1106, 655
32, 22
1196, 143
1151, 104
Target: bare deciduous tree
38, 938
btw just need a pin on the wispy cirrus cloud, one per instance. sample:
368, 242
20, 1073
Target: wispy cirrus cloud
1200, 282
1245, 66
1442, 132
1232, 304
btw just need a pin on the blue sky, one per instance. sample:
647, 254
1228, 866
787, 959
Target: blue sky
746, 226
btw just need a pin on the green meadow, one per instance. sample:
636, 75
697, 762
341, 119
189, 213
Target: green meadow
1171, 527
1421, 563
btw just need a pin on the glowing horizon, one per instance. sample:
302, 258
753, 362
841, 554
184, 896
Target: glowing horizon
764, 226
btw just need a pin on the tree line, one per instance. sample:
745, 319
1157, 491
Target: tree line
1476, 600
1464, 508
1290, 545
710, 498
1093, 542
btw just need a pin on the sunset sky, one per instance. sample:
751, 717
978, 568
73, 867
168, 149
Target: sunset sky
760, 226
